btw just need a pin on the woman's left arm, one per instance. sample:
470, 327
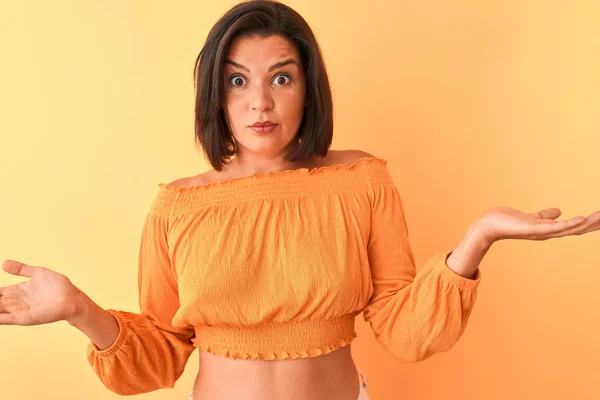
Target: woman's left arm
502, 223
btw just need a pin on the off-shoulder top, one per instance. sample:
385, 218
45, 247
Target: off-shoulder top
277, 265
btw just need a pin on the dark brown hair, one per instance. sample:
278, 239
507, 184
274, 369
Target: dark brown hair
262, 18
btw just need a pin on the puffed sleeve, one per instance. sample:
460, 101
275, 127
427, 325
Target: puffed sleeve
148, 353
412, 314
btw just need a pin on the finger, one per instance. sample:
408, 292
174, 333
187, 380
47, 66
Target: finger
4, 305
19, 268
6, 318
580, 230
594, 218
591, 224
548, 213
557, 226
14, 311
10, 290
566, 228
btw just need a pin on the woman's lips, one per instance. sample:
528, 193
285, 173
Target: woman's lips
264, 129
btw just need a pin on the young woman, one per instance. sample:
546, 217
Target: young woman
263, 262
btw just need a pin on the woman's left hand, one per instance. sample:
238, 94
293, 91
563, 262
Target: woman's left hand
507, 223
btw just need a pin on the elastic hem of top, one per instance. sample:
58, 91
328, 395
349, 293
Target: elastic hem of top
278, 341
270, 176
337, 179
450, 275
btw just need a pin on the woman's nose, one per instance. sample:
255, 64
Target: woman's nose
262, 98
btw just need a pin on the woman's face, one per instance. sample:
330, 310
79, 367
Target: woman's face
263, 80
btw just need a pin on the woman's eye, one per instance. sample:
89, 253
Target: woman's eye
236, 79
278, 79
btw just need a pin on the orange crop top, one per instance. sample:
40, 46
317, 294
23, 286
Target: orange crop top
276, 265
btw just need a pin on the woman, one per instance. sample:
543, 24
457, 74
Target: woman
263, 262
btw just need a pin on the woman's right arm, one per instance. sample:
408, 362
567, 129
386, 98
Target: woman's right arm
131, 353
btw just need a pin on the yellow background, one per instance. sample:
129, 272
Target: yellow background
474, 104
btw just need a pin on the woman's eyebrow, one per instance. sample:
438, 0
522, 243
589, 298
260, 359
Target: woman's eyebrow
271, 68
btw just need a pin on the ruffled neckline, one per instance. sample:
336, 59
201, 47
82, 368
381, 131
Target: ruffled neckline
270, 175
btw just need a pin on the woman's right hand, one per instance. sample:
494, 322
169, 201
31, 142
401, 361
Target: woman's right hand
47, 297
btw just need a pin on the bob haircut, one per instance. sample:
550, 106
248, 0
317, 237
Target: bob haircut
262, 18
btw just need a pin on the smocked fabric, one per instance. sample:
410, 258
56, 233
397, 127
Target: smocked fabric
277, 265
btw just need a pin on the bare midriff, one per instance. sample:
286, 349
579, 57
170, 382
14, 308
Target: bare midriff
329, 376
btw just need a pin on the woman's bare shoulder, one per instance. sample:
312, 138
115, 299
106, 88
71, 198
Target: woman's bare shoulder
333, 157
350, 156
196, 180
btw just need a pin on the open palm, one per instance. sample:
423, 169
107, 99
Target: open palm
47, 297
508, 223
